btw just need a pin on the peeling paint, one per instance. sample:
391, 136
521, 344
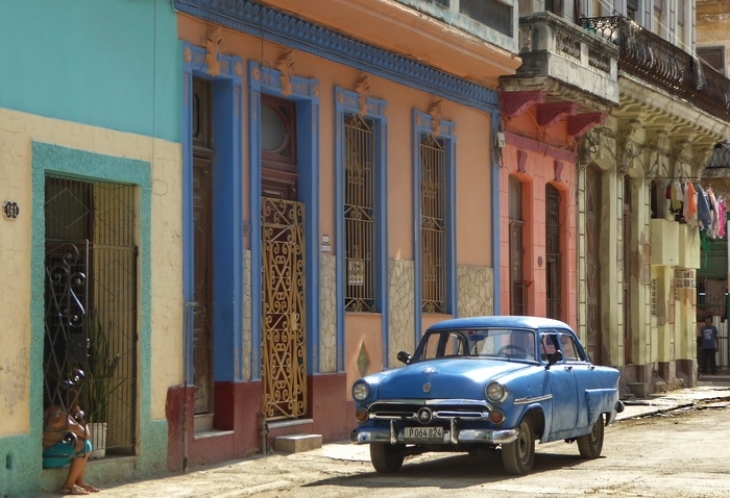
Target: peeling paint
14, 379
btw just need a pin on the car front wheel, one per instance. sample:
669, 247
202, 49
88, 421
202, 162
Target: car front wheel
386, 458
519, 455
591, 445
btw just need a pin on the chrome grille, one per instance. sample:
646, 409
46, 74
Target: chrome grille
442, 409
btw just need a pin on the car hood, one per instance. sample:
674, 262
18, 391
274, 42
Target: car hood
444, 378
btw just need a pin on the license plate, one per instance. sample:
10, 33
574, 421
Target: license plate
424, 433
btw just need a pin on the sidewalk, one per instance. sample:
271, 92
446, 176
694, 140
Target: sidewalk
260, 474
710, 389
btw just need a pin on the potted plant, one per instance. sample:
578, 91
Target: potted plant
101, 384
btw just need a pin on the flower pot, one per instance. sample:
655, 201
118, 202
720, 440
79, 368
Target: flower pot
97, 432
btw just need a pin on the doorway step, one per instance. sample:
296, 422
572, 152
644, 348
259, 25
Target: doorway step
297, 443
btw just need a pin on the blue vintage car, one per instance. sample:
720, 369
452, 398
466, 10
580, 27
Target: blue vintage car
484, 383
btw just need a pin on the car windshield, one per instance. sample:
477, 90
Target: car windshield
506, 343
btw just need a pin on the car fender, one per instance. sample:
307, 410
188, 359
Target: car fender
600, 401
540, 409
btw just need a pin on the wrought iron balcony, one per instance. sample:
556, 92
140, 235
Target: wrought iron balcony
647, 56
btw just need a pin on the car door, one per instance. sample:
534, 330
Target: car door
593, 389
563, 386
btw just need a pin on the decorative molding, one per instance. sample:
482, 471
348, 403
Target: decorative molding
550, 113
213, 48
435, 112
515, 103
580, 124
631, 147
285, 66
683, 159
558, 166
658, 164
540, 147
363, 90
521, 161
269, 24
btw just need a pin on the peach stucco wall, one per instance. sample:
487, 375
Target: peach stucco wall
473, 170
543, 164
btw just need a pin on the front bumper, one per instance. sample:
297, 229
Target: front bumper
453, 435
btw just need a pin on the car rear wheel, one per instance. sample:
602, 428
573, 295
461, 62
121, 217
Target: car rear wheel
386, 458
519, 455
591, 445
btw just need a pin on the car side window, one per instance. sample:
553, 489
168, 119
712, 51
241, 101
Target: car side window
570, 351
548, 345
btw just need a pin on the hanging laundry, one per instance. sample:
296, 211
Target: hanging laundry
703, 210
721, 217
676, 200
712, 230
690, 205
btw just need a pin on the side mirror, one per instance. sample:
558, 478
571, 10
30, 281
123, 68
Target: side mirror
404, 357
553, 359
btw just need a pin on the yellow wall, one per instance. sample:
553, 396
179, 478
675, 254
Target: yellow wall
17, 130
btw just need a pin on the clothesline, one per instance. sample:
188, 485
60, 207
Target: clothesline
698, 207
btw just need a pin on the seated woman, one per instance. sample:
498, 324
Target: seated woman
66, 440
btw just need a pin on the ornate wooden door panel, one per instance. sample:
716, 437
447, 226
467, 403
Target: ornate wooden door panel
203, 261
203, 154
284, 334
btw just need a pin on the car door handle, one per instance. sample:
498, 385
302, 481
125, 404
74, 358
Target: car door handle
568, 369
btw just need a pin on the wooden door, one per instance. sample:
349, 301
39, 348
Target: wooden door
203, 155
552, 253
593, 265
284, 332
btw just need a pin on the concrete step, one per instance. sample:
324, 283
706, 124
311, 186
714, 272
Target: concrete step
203, 423
296, 443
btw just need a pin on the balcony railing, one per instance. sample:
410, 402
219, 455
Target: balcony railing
655, 60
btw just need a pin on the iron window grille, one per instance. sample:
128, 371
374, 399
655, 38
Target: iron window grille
360, 213
433, 224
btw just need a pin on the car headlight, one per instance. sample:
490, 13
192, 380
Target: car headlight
360, 391
495, 392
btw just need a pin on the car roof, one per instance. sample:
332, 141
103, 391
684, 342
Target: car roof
499, 321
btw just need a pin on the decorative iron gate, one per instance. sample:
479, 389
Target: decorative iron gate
284, 333
66, 337
91, 305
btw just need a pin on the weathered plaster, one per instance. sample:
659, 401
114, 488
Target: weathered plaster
401, 298
476, 291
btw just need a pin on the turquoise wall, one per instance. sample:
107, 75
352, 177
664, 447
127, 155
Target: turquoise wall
110, 63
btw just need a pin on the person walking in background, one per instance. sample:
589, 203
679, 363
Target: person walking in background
708, 347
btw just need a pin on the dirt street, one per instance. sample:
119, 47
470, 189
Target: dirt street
675, 454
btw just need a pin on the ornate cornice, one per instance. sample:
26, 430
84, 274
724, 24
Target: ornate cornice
261, 21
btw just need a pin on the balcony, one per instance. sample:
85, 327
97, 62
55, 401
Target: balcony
652, 59
555, 48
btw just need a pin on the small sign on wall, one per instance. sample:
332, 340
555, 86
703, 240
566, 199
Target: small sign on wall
11, 210
326, 247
